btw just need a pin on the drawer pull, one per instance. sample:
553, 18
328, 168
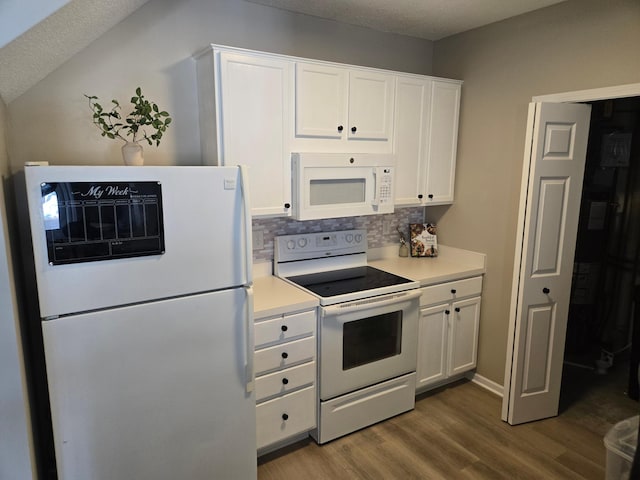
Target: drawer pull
285, 417
453, 290
285, 381
284, 328
285, 355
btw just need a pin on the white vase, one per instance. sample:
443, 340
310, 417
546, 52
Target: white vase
132, 154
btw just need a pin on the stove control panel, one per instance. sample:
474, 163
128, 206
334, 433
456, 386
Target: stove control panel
305, 246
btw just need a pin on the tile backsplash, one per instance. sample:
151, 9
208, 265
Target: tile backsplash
381, 229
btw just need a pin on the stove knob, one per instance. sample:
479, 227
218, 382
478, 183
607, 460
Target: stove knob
291, 244
349, 237
358, 237
302, 242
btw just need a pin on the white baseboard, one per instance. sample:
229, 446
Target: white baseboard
484, 382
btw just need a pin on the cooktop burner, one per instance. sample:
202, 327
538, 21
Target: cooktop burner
347, 280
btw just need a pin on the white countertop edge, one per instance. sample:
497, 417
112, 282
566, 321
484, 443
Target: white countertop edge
284, 309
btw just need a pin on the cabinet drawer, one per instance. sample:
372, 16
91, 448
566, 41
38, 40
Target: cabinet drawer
283, 328
285, 355
450, 291
285, 416
284, 381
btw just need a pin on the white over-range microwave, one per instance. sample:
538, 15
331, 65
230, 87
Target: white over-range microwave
329, 185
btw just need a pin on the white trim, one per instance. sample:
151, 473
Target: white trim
487, 384
605, 93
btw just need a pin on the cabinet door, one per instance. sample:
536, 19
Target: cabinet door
413, 96
463, 341
442, 142
370, 105
253, 115
432, 345
321, 101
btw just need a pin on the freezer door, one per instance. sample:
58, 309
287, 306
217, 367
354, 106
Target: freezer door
193, 234
154, 391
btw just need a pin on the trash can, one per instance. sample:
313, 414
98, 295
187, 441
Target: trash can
621, 442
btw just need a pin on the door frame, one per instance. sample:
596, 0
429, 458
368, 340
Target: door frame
578, 96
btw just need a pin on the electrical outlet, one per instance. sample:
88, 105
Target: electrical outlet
386, 227
258, 239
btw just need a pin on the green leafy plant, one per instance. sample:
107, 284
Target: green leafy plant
145, 122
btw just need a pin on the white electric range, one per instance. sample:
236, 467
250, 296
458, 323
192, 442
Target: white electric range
368, 329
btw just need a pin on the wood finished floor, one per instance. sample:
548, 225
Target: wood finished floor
456, 433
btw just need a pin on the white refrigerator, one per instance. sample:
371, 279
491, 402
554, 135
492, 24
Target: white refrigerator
144, 285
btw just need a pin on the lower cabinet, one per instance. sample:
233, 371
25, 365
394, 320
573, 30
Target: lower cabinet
448, 331
286, 416
285, 384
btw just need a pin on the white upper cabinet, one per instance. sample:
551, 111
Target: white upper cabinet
341, 109
425, 139
244, 119
442, 141
321, 101
413, 100
257, 108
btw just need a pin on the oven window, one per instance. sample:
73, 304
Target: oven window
337, 191
371, 339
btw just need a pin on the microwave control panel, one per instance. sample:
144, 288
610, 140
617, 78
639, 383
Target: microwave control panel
384, 195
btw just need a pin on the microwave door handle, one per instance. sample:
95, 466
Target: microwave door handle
376, 199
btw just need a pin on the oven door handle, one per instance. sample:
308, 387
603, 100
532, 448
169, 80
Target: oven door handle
373, 302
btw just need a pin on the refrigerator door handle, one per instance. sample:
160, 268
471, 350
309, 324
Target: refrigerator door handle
250, 342
244, 180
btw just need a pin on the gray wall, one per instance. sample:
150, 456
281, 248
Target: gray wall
15, 426
575, 45
152, 48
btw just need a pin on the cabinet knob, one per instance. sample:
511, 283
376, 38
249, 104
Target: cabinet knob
287, 205
340, 128
354, 129
430, 196
420, 196
284, 328
285, 381
447, 312
285, 355
545, 290
453, 291
457, 309
285, 417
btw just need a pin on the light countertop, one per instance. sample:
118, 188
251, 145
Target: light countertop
273, 296
450, 264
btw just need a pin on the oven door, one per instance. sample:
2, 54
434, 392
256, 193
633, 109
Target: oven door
367, 341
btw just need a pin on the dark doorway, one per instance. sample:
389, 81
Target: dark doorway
602, 346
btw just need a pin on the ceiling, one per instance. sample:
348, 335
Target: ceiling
428, 19
31, 56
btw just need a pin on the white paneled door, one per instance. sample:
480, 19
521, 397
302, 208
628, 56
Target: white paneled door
548, 223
